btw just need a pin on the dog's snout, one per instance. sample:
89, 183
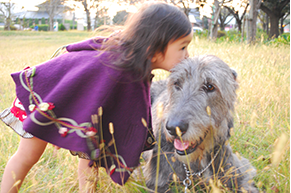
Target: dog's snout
172, 124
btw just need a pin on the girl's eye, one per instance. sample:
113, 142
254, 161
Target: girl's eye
177, 85
209, 87
184, 48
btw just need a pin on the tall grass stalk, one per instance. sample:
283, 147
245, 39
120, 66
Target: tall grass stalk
158, 158
262, 113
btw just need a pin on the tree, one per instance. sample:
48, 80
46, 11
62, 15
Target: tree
252, 19
101, 16
6, 9
91, 6
87, 10
216, 11
210, 8
275, 9
185, 3
223, 15
234, 9
53, 8
120, 17
186, 6
263, 17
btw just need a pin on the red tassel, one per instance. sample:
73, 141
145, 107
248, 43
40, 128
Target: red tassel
112, 169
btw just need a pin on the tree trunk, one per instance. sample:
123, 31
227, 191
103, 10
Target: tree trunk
239, 20
214, 28
222, 27
274, 31
51, 15
255, 5
6, 11
73, 21
51, 24
214, 31
267, 24
243, 30
186, 9
221, 24
8, 23
239, 23
88, 20
87, 14
275, 15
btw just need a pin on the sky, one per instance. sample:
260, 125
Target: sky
29, 5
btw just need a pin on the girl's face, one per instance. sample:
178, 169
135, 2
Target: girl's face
176, 51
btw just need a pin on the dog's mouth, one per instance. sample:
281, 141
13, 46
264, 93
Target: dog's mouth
185, 147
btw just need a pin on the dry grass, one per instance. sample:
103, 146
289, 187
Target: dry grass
262, 113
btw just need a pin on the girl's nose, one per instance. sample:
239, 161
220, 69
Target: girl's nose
187, 54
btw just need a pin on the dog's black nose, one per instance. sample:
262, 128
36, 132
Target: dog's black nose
172, 124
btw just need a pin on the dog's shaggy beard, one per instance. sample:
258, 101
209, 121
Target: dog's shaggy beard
193, 149
199, 137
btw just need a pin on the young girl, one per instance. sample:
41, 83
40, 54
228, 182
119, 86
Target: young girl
94, 100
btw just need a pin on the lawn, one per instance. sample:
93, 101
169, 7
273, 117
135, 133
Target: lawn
262, 116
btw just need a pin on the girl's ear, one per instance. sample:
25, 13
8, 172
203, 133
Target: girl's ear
154, 59
157, 56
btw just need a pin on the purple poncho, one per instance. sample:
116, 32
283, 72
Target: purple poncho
60, 96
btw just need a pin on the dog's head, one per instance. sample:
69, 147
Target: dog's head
202, 93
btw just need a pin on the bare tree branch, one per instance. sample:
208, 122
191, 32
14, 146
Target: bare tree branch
7, 8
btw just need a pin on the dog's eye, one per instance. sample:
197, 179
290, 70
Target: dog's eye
177, 85
209, 87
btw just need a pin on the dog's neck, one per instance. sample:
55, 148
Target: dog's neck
200, 172
187, 182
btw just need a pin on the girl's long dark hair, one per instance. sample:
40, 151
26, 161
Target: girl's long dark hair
147, 32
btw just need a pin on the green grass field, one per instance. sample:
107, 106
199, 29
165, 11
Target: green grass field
262, 116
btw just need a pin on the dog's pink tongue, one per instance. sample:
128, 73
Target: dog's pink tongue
181, 146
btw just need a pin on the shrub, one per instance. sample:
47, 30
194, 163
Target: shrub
282, 39
220, 34
12, 28
42, 20
43, 27
62, 27
262, 35
233, 36
30, 22
73, 26
201, 34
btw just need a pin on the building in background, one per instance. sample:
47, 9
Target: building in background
27, 18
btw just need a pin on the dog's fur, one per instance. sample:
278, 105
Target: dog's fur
195, 85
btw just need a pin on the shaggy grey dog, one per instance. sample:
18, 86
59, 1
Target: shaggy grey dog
197, 101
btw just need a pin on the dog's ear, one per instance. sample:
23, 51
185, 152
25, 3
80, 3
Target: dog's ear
233, 73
